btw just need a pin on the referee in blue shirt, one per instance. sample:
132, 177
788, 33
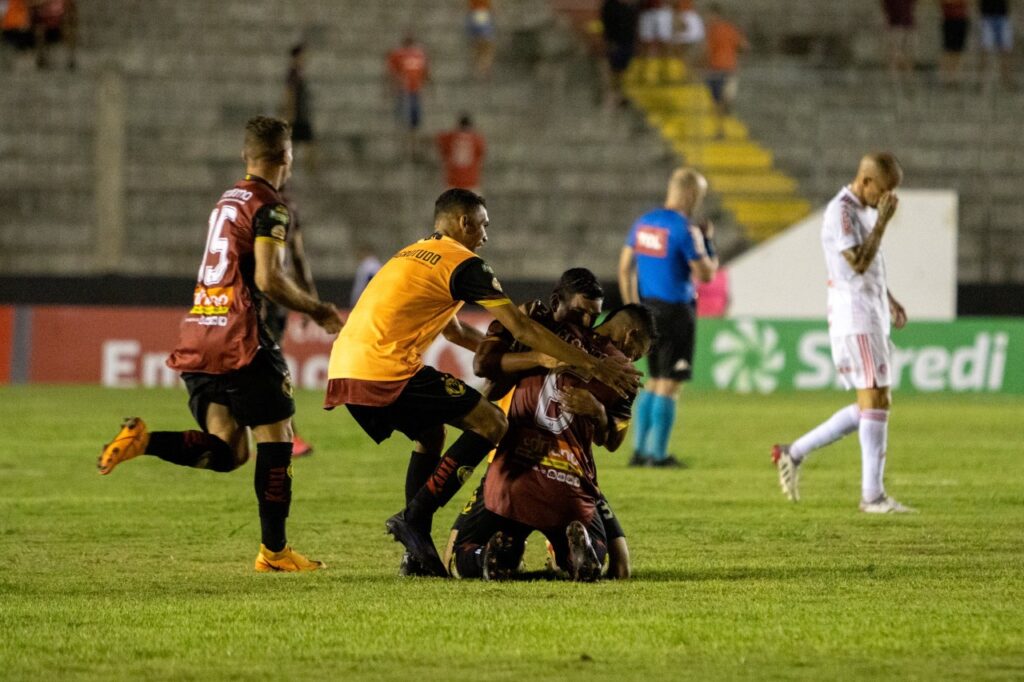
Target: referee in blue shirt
663, 254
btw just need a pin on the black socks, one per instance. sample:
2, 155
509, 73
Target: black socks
451, 472
273, 485
192, 449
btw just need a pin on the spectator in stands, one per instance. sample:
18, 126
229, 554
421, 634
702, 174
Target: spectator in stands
899, 15
367, 267
408, 70
55, 21
655, 36
462, 152
17, 26
688, 32
724, 42
619, 20
298, 108
480, 27
997, 37
955, 23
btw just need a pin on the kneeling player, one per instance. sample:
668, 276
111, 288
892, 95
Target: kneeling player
543, 476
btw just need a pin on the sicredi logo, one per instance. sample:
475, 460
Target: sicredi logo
749, 358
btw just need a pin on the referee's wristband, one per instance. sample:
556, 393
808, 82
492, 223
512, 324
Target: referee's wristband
709, 248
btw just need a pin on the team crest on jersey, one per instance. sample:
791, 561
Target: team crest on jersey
286, 386
454, 387
464, 473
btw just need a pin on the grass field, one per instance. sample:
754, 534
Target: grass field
147, 573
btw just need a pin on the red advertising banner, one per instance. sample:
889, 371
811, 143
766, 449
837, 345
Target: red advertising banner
6, 342
127, 347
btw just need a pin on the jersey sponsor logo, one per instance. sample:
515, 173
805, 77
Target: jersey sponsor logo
210, 301
237, 195
423, 255
748, 358
652, 241
560, 476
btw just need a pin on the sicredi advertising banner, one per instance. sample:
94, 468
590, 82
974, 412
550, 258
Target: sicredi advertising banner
127, 347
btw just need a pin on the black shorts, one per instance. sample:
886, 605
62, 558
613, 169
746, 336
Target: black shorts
481, 524
612, 527
259, 393
671, 356
429, 400
954, 35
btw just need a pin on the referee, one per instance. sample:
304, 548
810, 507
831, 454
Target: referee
662, 255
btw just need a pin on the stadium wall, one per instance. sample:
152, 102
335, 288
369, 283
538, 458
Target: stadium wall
122, 347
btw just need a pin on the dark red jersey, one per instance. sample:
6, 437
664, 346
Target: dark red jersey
223, 330
543, 473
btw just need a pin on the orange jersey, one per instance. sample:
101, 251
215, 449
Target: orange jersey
724, 42
408, 65
17, 17
463, 154
406, 305
478, 5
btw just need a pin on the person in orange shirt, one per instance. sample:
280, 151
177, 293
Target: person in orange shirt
17, 26
462, 153
724, 42
408, 70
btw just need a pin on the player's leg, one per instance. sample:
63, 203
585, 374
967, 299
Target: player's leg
488, 546
431, 399
222, 445
671, 364
262, 399
425, 455
472, 506
618, 550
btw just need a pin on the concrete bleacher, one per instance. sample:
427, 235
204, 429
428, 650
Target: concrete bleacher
563, 177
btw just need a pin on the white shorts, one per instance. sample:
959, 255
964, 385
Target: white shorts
656, 25
863, 360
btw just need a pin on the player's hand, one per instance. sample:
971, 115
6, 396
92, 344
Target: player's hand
328, 317
698, 240
898, 314
618, 374
887, 204
580, 402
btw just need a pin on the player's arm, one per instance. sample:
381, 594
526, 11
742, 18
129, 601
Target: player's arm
303, 273
582, 403
462, 335
897, 311
495, 361
862, 255
271, 227
627, 276
619, 376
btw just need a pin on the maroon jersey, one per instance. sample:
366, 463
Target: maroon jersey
543, 474
223, 330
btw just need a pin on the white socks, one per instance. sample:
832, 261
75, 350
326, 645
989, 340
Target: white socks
843, 422
874, 432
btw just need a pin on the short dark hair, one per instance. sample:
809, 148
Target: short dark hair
576, 281
465, 121
298, 49
457, 199
265, 138
640, 316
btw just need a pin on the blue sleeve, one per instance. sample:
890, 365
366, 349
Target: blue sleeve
686, 246
631, 238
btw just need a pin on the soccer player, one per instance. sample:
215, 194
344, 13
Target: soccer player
236, 377
577, 299
663, 253
543, 476
861, 309
377, 371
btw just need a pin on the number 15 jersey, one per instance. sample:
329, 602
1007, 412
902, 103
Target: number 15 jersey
223, 329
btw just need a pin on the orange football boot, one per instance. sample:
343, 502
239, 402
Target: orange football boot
285, 561
129, 443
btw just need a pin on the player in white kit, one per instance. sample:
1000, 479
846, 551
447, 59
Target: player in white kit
860, 312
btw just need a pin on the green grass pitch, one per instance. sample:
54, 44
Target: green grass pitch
147, 573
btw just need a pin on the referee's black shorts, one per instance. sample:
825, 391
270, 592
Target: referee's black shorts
671, 356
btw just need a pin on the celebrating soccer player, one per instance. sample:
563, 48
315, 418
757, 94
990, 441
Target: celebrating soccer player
377, 370
544, 476
861, 309
235, 373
